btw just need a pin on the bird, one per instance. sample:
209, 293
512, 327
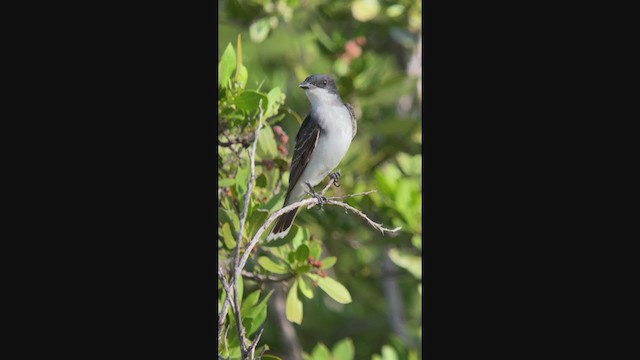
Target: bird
321, 143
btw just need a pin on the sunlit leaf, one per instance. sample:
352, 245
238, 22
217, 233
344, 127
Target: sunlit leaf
226, 182
229, 241
334, 289
306, 288
388, 353
226, 66
328, 262
344, 350
294, 305
271, 266
321, 352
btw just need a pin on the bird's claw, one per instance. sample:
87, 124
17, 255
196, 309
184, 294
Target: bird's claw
321, 198
335, 177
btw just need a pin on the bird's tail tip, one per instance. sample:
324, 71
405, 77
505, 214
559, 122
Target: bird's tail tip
283, 225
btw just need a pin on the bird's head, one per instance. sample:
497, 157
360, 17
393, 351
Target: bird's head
320, 89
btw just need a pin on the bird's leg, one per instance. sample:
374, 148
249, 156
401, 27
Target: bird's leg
321, 199
335, 176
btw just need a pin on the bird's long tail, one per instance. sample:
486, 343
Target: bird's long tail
283, 225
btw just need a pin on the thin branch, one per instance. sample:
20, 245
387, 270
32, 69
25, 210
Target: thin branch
305, 202
266, 278
243, 218
252, 347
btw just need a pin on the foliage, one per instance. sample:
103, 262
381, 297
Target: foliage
330, 262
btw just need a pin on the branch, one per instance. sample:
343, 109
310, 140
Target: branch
237, 270
266, 278
300, 203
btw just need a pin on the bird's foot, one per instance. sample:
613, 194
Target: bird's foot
335, 176
321, 199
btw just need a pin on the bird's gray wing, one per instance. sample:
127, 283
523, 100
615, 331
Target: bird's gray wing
354, 124
306, 142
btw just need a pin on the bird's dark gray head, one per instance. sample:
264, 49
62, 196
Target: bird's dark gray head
320, 81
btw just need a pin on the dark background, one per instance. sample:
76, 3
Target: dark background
118, 168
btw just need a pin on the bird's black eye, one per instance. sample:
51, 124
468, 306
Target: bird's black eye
325, 83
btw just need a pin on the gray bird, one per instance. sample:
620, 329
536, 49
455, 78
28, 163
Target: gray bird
321, 143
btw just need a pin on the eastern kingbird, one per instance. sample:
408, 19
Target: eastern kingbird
321, 143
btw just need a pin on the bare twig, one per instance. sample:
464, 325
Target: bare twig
305, 202
252, 347
243, 220
266, 278
237, 270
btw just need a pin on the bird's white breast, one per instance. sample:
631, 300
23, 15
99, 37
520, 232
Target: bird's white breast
333, 144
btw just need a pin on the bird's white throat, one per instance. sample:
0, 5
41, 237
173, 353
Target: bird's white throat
322, 97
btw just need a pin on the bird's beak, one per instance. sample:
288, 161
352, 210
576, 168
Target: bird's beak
304, 85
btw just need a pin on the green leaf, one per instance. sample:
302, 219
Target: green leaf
303, 269
305, 287
267, 147
271, 266
301, 236
328, 262
261, 181
344, 350
410, 262
256, 220
276, 98
250, 301
302, 253
274, 202
254, 310
226, 182
242, 74
294, 305
249, 100
228, 216
241, 71
333, 288
321, 352
388, 353
315, 250
241, 180
229, 241
226, 66
269, 356
258, 320
259, 30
